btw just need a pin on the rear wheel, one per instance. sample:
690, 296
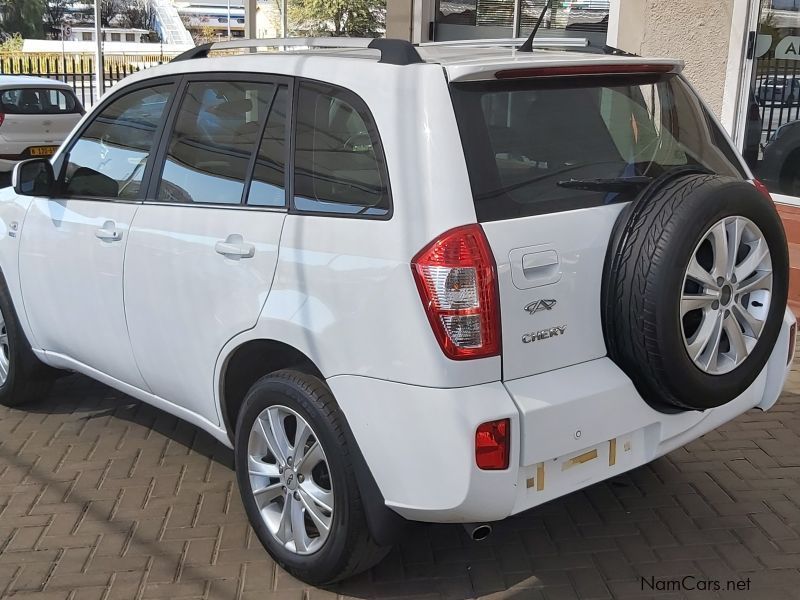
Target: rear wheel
23, 378
296, 476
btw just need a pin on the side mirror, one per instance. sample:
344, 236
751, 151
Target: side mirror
33, 178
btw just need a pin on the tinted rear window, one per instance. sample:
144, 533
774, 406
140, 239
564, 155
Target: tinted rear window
523, 138
38, 101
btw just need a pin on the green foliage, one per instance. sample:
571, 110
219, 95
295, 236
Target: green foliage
23, 17
352, 18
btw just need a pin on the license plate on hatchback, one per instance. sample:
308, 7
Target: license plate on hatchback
42, 150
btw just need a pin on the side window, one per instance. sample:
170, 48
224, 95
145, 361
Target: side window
267, 187
338, 163
216, 132
109, 158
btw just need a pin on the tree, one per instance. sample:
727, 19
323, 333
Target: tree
22, 16
353, 18
54, 11
108, 10
138, 14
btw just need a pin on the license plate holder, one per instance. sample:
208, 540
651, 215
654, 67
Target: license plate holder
42, 151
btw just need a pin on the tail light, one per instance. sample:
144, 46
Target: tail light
457, 281
492, 445
2, 118
761, 187
792, 342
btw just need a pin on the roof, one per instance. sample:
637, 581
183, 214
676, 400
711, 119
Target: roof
28, 81
466, 61
462, 61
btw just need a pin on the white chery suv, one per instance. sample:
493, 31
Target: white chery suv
444, 283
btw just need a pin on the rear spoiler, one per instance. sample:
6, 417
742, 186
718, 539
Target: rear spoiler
581, 66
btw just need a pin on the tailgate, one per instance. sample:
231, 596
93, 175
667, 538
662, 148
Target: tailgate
550, 275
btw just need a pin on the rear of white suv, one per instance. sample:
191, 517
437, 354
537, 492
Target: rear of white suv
494, 278
36, 115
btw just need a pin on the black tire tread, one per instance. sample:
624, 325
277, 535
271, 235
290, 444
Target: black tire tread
637, 307
29, 379
362, 551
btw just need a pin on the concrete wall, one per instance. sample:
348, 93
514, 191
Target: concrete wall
697, 31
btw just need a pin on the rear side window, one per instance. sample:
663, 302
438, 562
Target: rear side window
109, 157
338, 160
529, 143
217, 130
39, 101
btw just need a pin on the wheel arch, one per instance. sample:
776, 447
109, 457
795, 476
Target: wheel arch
249, 361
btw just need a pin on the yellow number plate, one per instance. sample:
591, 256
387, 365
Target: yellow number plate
43, 150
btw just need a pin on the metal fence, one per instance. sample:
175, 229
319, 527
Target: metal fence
777, 93
76, 70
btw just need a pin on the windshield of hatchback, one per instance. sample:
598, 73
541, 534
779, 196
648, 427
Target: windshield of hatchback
535, 146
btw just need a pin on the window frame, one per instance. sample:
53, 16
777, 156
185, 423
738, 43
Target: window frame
151, 196
59, 166
384, 166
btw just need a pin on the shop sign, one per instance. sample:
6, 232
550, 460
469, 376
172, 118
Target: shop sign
788, 48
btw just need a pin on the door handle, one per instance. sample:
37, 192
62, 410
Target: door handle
108, 232
540, 264
234, 247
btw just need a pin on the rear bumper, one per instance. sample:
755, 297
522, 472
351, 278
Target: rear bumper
570, 428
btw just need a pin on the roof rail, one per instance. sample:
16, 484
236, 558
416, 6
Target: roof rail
394, 52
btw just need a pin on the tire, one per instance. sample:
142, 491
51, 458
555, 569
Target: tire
647, 282
288, 396
26, 378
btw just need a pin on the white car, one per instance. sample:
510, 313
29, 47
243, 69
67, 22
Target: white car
36, 115
444, 283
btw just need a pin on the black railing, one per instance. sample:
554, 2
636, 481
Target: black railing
777, 93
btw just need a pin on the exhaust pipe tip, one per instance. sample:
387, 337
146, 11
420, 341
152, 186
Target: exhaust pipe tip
478, 531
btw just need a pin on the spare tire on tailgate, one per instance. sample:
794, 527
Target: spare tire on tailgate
695, 288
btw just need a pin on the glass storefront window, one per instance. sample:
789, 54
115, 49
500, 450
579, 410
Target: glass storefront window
485, 19
772, 135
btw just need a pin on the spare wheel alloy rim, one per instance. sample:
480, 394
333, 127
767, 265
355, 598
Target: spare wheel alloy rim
726, 294
290, 479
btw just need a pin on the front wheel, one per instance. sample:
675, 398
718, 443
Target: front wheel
296, 477
23, 378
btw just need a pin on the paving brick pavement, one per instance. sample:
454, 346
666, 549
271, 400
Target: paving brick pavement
105, 498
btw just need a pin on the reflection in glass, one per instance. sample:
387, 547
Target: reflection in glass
215, 133
338, 159
110, 156
268, 184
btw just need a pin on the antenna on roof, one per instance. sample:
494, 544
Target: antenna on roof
527, 46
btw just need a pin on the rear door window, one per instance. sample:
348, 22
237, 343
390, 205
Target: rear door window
338, 159
529, 143
39, 101
217, 129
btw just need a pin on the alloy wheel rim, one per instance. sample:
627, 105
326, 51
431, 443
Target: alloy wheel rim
726, 294
5, 350
290, 480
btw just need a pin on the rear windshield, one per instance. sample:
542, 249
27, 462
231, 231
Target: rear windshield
525, 139
38, 101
